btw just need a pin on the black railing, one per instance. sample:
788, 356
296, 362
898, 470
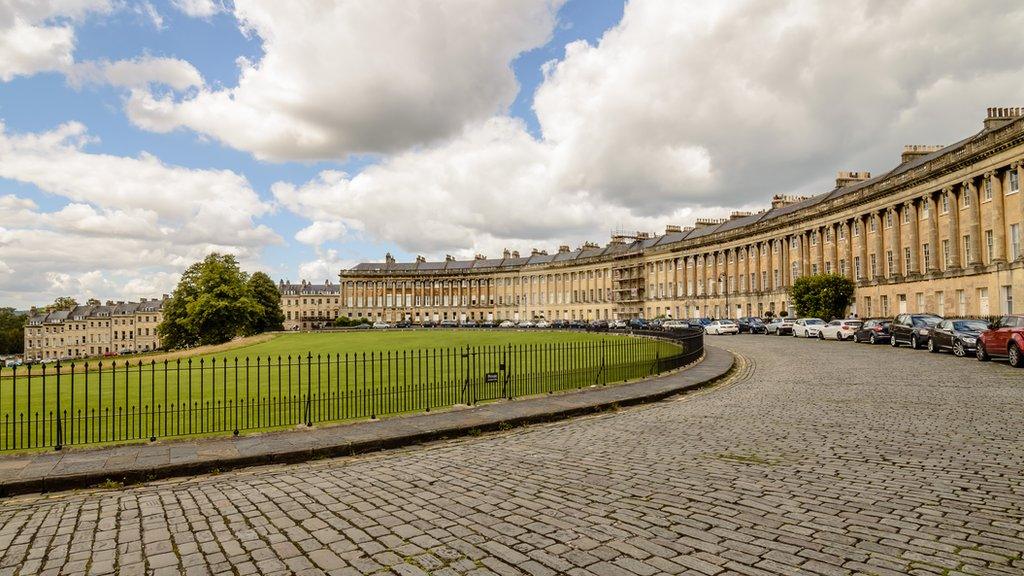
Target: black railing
102, 402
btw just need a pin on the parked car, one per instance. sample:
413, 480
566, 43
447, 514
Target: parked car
912, 329
577, 325
807, 327
487, 324
449, 324
839, 329
468, 324
598, 326
507, 324
674, 325
543, 324
618, 324
722, 327
638, 323
561, 324
699, 322
751, 325
873, 330
958, 335
526, 324
1004, 338
427, 324
779, 326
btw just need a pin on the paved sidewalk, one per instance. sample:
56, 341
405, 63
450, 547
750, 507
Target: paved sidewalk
77, 468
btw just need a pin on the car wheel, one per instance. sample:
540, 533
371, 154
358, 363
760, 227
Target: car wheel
821, 336
981, 354
839, 336
893, 342
931, 346
914, 344
1015, 356
872, 340
958, 349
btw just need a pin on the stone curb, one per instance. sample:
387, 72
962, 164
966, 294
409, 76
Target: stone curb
134, 463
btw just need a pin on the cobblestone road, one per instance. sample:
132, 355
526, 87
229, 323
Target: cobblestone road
818, 458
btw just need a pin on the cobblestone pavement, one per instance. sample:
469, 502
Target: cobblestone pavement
817, 458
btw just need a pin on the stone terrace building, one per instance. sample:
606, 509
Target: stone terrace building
84, 331
309, 306
941, 232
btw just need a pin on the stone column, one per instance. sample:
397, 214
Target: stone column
702, 288
896, 243
834, 231
954, 228
879, 245
974, 227
865, 268
756, 286
934, 264
997, 220
915, 242
848, 226
1019, 166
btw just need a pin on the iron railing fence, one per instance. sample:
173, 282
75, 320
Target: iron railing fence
77, 403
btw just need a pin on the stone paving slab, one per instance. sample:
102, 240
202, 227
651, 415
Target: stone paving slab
76, 468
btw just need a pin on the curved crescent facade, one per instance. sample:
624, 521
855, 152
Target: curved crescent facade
942, 232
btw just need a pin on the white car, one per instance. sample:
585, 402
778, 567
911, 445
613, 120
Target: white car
807, 327
617, 324
381, 325
526, 324
722, 327
839, 329
674, 325
543, 324
507, 324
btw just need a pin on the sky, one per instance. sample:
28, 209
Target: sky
137, 136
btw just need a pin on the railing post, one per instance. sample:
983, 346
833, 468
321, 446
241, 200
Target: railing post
152, 400
309, 388
59, 439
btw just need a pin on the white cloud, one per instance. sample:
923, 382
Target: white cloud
39, 36
150, 13
324, 267
129, 218
137, 73
319, 232
359, 75
685, 110
198, 8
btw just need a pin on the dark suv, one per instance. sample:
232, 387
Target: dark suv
912, 329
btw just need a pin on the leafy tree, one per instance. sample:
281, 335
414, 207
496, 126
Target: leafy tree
266, 294
12, 331
92, 302
62, 303
821, 295
211, 304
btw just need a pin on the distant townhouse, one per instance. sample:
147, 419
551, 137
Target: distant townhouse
94, 330
309, 306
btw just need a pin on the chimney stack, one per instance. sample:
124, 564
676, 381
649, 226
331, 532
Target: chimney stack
389, 258
672, 229
480, 257
506, 254
420, 259
998, 117
449, 258
515, 253
845, 178
914, 151
706, 222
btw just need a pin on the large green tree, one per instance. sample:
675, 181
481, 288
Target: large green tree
824, 296
266, 294
62, 303
211, 304
12, 331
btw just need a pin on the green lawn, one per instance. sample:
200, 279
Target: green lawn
308, 377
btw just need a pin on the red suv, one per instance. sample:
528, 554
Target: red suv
1004, 338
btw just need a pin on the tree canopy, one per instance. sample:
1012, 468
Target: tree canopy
62, 303
12, 336
825, 296
215, 301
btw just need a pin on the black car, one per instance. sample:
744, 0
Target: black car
577, 325
960, 335
873, 330
751, 325
559, 324
403, 324
598, 326
638, 323
912, 329
487, 324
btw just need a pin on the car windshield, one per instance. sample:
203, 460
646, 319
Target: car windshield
815, 322
970, 325
854, 324
928, 321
